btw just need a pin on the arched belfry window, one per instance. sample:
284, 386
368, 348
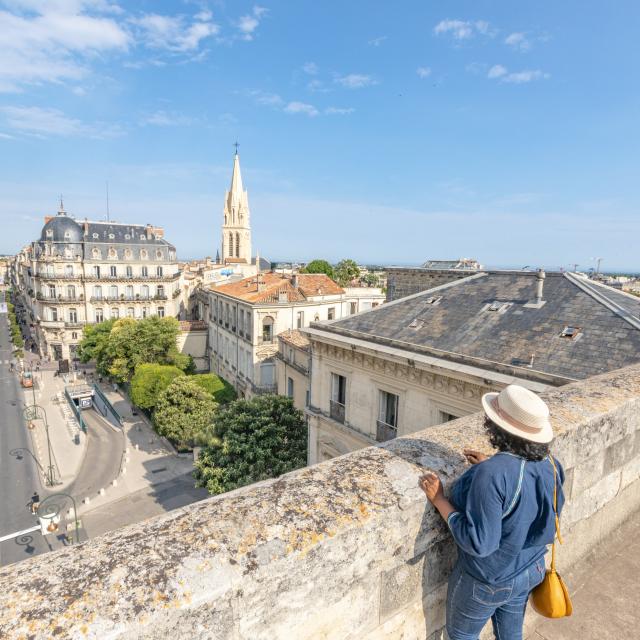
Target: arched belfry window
230, 251
237, 245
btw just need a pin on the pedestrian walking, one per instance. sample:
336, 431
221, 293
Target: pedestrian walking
501, 516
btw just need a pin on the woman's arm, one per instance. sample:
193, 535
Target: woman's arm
431, 485
478, 529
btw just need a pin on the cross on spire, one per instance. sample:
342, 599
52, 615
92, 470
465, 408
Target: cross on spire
236, 145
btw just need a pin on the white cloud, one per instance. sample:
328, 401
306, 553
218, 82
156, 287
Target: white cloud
463, 29
6, 136
301, 107
52, 41
356, 81
45, 122
174, 33
165, 119
249, 23
423, 72
310, 68
376, 42
265, 98
79, 91
518, 41
499, 72
339, 111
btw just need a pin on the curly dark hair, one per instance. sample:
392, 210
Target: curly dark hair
504, 441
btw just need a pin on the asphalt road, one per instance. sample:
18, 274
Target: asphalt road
19, 476
101, 463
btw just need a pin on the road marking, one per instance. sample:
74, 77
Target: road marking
17, 534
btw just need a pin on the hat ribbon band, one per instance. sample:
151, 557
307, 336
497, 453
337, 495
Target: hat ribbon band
516, 423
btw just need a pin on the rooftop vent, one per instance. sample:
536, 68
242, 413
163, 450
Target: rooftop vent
498, 307
571, 333
416, 324
433, 300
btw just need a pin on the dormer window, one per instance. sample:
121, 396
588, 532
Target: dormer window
127, 236
111, 236
142, 236
67, 235
95, 235
570, 333
49, 233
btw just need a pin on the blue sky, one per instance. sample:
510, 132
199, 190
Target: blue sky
388, 132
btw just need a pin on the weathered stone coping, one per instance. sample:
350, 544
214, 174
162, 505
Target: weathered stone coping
331, 551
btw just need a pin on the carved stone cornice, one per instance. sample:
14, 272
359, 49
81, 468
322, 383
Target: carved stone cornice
437, 382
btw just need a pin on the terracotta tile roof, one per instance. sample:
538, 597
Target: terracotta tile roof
235, 261
309, 285
295, 338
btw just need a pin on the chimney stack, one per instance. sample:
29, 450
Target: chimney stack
540, 276
294, 280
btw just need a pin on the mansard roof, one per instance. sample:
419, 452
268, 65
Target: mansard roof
490, 319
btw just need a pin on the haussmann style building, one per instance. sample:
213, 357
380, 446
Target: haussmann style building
81, 272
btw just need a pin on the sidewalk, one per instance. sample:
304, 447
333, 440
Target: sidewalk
148, 460
605, 591
63, 428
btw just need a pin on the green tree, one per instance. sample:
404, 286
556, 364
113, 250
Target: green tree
184, 411
94, 343
252, 440
371, 279
346, 271
149, 381
119, 346
219, 388
319, 266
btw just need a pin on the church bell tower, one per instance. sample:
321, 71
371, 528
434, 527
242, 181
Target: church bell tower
236, 225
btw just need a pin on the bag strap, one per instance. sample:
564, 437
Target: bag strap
555, 513
512, 504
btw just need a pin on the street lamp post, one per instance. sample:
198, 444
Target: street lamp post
48, 510
36, 412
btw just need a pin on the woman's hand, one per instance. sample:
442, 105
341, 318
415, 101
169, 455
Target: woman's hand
473, 456
431, 485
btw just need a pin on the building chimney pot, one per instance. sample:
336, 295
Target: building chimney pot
540, 276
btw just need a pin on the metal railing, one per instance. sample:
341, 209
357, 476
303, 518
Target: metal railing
123, 298
336, 411
385, 431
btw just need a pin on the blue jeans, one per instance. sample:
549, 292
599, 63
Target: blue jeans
470, 603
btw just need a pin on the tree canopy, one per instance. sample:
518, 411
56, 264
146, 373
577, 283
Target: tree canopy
219, 388
119, 346
319, 266
346, 271
184, 411
252, 440
149, 381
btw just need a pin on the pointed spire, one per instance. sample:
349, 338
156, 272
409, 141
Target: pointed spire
235, 191
61, 211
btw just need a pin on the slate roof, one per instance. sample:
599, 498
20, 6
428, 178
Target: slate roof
460, 327
310, 285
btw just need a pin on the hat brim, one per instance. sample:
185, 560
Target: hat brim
544, 436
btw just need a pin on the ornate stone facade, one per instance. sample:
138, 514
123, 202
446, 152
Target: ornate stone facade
423, 394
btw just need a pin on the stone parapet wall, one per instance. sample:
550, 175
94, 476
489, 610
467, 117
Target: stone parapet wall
345, 549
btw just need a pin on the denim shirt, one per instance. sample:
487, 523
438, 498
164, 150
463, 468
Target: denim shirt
503, 516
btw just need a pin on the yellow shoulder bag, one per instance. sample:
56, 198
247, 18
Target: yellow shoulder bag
551, 597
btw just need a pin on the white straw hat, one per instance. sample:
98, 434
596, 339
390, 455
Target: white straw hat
519, 412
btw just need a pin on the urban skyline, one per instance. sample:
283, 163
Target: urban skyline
494, 132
